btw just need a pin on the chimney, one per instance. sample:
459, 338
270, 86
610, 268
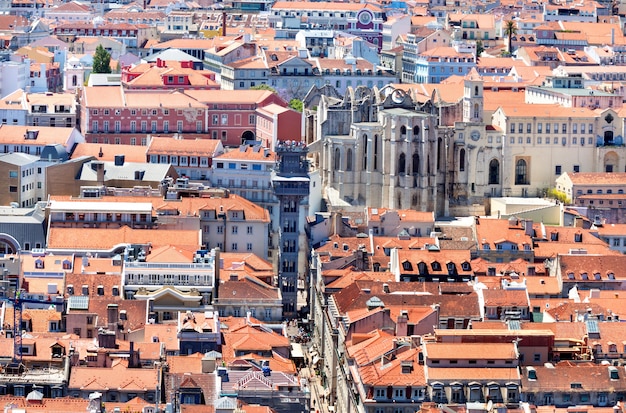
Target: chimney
100, 173
112, 316
223, 23
208, 364
528, 227
402, 324
579, 222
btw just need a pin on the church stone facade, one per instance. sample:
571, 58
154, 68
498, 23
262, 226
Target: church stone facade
397, 148
377, 148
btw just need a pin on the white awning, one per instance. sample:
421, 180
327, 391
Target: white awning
296, 351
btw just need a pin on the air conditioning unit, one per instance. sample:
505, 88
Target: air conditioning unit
118, 112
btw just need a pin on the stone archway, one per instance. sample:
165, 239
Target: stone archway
611, 162
8, 244
247, 136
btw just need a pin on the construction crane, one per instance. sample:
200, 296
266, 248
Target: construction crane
18, 301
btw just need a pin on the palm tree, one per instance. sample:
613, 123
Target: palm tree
510, 29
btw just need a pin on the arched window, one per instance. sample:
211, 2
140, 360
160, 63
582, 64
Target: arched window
402, 164
521, 172
403, 131
74, 80
416, 131
475, 90
375, 152
364, 152
462, 160
476, 110
416, 164
349, 160
439, 154
494, 172
337, 159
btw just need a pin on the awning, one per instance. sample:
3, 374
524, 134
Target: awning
296, 351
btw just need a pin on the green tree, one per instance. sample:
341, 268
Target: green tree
101, 61
480, 48
296, 104
263, 86
510, 29
558, 195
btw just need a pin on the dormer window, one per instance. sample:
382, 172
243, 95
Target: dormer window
57, 351
596, 276
407, 367
466, 266
613, 373
406, 265
435, 266
486, 246
451, 268
423, 269
578, 237
491, 271
532, 373
584, 276
570, 276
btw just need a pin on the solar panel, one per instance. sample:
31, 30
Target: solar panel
515, 325
78, 302
592, 327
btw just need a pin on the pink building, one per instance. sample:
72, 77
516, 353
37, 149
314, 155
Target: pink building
167, 75
237, 116
118, 116
277, 123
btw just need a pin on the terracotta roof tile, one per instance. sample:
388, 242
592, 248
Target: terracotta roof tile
560, 378
97, 239
132, 153
248, 153
46, 135
205, 147
391, 374
469, 351
506, 298
116, 377
247, 288
166, 334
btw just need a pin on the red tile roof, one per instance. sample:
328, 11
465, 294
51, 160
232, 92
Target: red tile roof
117, 377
